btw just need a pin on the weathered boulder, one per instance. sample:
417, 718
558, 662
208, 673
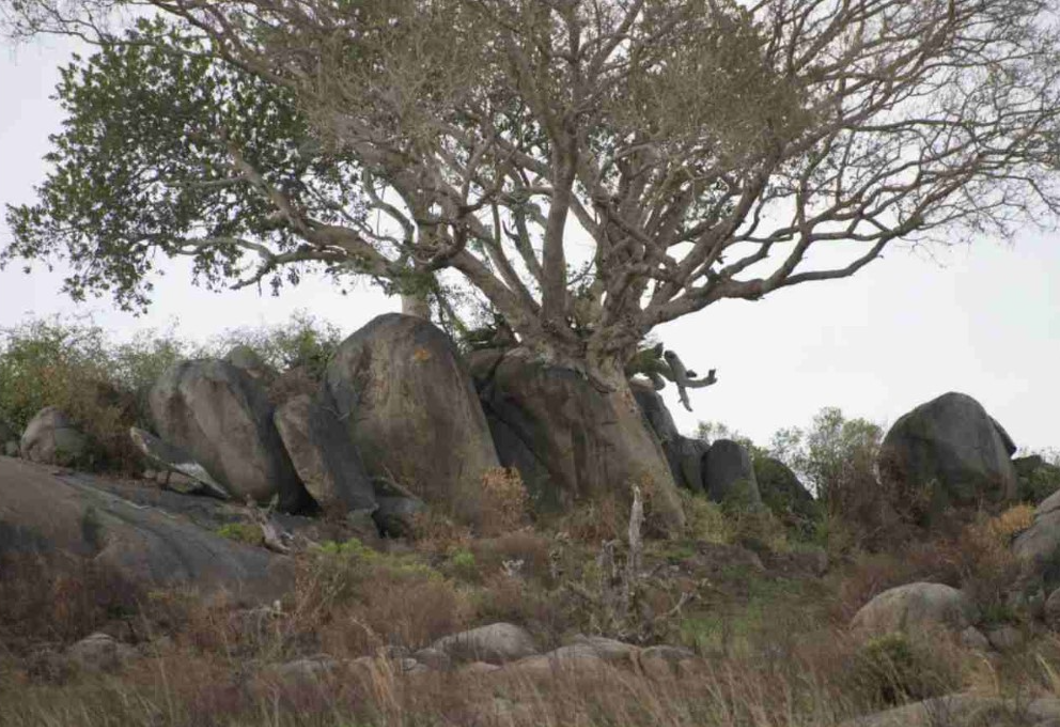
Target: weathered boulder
494, 644
222, 418
782, 492
44, 513
172, 460
246, 358
51, 437
1038, 547
948, 452
580, 442
916, 608
408, 403
684, 455
325, 459
101, 652
729, 475
1037, 478
396, 508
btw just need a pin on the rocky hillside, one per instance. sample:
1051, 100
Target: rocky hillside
402, 534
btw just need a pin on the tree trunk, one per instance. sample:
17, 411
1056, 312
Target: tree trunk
417, 306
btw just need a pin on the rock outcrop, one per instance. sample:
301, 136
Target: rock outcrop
325, 459
51, 437
221, 416
44, 513
948, 452
570, 440
729, 475
409, 406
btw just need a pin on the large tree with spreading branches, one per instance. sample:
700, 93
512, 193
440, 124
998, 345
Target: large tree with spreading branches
589, 168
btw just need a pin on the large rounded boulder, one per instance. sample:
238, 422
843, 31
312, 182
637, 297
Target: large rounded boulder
949, 452
916, 608
408, 403
222, 417
572, 441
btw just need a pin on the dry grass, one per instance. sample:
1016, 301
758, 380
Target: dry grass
775, 647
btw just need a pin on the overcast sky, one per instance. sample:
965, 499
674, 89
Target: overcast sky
981, 319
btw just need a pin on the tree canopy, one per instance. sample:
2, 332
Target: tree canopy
590, 168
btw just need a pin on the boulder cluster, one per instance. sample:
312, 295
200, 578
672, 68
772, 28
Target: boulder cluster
400, 422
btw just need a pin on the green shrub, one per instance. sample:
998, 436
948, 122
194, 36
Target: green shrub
242, 532
301, 342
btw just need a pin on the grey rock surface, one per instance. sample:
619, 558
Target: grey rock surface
171, 459
580, 442
407, 400
494, 644
222, 418
729, 474
1038, 547
41, 512
948, 451
323, 455
916, 608
51, 437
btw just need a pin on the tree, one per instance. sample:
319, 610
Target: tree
705, 149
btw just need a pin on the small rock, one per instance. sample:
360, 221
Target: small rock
609, 650
662, 661
309, 669
1005, 638
100, 652
434, 659
496, 644
566, 659
1052, 610
149, 475
973, 638
479, 667
11, 449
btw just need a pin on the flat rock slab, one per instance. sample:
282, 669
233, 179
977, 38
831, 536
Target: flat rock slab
174, 459
43, 512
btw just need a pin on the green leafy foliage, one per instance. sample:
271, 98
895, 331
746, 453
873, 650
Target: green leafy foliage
144, 164
303, 341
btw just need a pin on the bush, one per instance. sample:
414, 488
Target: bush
302, 342
891, 670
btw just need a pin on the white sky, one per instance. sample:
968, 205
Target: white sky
980, 319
